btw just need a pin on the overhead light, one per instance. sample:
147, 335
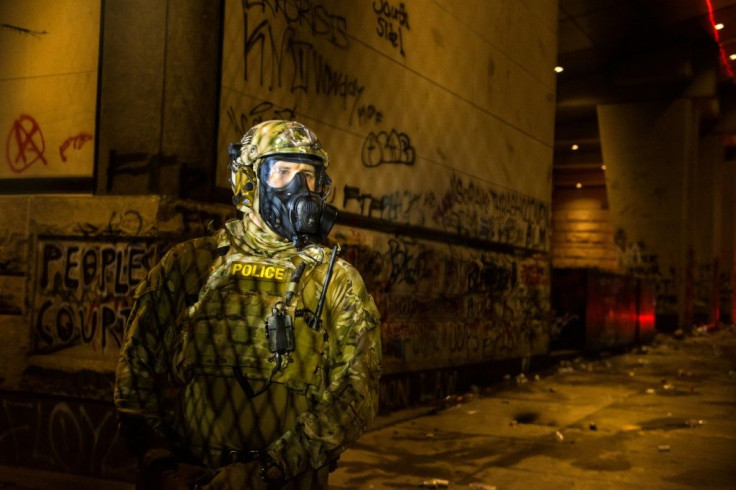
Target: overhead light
579, 185
574, 147
719, 26
603, 167
732, 57
559, 69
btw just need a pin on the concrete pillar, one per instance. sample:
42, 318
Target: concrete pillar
158, 97
727, 305
705, 228
649, 149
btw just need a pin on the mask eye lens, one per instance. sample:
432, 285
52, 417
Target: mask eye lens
280, 173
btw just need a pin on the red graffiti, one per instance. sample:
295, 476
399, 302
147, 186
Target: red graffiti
25, 145
75, 142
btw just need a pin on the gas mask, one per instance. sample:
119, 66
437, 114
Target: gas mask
291, 195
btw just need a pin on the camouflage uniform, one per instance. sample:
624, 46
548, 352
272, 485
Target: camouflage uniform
195, 355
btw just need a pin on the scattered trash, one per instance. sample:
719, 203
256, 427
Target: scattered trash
471, 412
632, 373
521, 379
592, 426
513, 423
695, 422
435, 483
536, 378
559, 436
481, 486
701, 330
650, 391
642, 362
429, 434
566, 369
668, 387
664, 448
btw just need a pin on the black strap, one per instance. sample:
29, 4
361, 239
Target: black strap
243, 381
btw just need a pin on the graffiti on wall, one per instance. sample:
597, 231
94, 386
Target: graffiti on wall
391, 21
465, 208
276, 58
83, 291
25, 145
637, 260
387, 147
442, 305
263, 111
63, 435
281, 52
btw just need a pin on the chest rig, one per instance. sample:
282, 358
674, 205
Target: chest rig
252, 322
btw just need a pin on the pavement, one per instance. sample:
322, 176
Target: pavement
656, 417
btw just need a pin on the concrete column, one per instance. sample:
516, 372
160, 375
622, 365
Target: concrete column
649, 150
728, 244
704, 234
158, 97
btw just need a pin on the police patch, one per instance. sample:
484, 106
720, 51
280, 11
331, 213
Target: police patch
259, 271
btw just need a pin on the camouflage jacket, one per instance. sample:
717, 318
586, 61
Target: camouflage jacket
196, 350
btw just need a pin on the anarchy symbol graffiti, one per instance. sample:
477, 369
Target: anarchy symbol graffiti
25, 145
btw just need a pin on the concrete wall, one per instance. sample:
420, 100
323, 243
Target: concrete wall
582, 232
158, 97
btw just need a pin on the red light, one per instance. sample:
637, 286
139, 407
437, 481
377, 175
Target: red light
724, 60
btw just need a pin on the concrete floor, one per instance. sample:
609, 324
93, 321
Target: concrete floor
658, 418
661, 417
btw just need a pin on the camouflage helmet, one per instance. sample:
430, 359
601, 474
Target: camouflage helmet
277, 137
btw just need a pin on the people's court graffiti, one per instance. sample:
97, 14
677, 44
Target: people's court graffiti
83, 291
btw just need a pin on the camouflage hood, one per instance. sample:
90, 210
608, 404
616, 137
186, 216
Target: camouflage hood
250, 234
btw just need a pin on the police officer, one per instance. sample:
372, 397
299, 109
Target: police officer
252, 357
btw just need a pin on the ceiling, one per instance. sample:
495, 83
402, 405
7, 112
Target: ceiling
616, 51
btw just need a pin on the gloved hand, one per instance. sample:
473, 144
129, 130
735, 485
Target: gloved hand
237, 476
171, 476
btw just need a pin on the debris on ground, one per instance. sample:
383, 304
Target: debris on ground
435, 483
664, 448
481, 486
